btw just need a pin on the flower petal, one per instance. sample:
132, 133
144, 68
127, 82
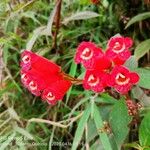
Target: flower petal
39, 63
134, 77
123, 89
128, 42
57, 91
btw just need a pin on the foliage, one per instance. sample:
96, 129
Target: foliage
79, 120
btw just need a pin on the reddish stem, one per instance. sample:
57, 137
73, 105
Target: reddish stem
57, 23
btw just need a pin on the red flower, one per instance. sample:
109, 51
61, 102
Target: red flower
33, 81
56, 91
91, 56
40, 76
122, 79
118, 49
95, 80
101, 63
31, 60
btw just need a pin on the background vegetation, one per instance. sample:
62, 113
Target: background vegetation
81, 119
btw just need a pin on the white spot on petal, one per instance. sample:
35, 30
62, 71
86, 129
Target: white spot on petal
50, 96
33, 86
26, 59
87, 54
122, 79
93, 81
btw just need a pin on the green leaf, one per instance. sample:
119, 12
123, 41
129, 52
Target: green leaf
83, 100
131, 63
80, 16
99, 124
51, 19
85, 2
133, 145
36, 33
139, 94
72, 72
144, 77
23, 132
119, 120
8, 141
142, 49
92, 131
80, 128
105, 3
137, 18
106, 99
144, 131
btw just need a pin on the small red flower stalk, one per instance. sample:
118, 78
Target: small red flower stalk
46, 79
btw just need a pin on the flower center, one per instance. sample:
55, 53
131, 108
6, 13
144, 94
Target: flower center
24, 77
118, 47
122, 79
26, 59
93, 80
86, 54
32, 85
50, 96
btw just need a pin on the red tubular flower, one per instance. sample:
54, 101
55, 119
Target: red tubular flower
122, 79
42, 76
118, 49
31, 60
33, 81
91, 56
95, 80
56, 91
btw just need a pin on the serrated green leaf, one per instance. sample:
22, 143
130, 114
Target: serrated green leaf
119, 120
137, 18
144, 131
99, 124
80, 128
142, 49
144, 77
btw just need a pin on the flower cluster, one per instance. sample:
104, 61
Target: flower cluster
43, 77
106, 69
133, 107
